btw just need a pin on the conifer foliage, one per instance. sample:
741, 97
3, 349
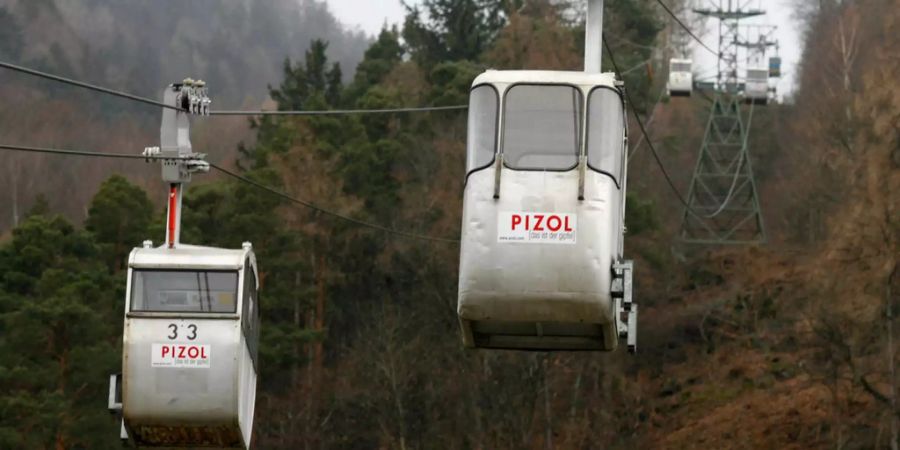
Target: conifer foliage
359, 344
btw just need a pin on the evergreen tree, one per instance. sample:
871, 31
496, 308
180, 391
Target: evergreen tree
41, 206
452, 30
10, 36
119, 216
633, 21
59, 334
379, 60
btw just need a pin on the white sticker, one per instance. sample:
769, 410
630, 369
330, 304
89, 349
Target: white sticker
180, 355
537, 227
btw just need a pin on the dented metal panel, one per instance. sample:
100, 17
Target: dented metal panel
547, 285
196, 400
188, 379
534, 283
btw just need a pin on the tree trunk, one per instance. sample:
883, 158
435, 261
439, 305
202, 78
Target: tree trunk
14, 191
320, 308
548, 421
295, 373
892, 365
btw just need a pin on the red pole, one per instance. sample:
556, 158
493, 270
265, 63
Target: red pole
173, 206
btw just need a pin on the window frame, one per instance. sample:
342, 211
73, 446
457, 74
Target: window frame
250, 328
581, 138
681, 67
210, 314
587, 138
497, 125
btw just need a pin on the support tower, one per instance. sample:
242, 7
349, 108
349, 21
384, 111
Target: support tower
723, 204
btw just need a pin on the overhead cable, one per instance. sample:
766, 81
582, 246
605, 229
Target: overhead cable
239, 177
148, 101
650, 119
92, 87
327, 212
637, 66
688, 30
56, 151
333, 112
640, 123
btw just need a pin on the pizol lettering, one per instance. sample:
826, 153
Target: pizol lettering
180, 355
537, 227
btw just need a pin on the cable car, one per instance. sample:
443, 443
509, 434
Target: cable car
541, 248
190, 347
681, 79
775, 67
756, 89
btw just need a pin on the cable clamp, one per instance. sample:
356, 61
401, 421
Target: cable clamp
150, 154
193, 97
197, 165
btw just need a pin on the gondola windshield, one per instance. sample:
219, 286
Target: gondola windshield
482, 136
184, 291
542, 127
606, 132
681, 67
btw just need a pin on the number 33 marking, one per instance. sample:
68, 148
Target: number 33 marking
174, 329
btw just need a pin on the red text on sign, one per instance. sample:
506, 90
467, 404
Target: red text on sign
183, 351
541, 222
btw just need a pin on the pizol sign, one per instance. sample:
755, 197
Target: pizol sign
536, 227
180, 355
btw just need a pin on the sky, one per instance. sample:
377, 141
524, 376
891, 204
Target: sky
779, 13
370, 15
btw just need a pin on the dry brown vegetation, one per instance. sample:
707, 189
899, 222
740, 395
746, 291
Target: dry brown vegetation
795, 347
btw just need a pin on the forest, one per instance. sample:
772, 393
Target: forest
789, 344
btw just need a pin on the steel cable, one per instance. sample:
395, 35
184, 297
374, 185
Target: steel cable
239, 177
148, 101
688, 30
640, 123
92, 87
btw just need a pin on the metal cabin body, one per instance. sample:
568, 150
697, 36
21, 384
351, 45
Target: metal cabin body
191, 332
543, 211
756, 89
681, 78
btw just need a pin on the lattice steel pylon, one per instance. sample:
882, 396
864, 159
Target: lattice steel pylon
723, 204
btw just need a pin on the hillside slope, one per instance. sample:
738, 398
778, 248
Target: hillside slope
237, 46
792, 345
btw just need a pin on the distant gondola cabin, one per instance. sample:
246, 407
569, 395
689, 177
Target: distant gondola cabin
756, 88
681, 79
775, 67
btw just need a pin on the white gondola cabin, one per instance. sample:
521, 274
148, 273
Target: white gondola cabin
681, 79
775, 67
543, 212
756, 89
190, 347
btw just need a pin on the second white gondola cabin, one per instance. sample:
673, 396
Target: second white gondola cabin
543, 211
756, 88
190, 347
681, 79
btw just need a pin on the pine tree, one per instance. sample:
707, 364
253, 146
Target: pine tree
59, 338
452, 30
119, 216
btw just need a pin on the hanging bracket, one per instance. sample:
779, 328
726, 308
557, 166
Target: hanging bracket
175, 152
179, 162
626, 310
